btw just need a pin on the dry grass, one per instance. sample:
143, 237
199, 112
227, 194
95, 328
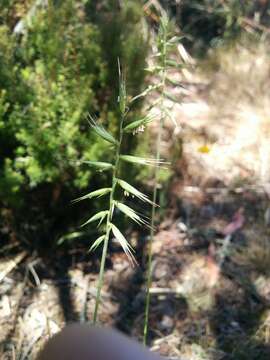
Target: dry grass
256, 254
231, 115
240, 104
226, 129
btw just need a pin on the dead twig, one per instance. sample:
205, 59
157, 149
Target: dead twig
12, 264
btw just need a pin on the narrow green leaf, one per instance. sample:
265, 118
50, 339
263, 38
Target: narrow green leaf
173, 63
112, 211
101, 131
128, 211
122, 98
124, 243
72, 236
142, 161
99, 216
132, 190
97, 242
96, 193
137, 123
104, 134
146, 91
99, 164
153, 69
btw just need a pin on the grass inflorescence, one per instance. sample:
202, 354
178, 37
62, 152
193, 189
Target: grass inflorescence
165, 44
108, 216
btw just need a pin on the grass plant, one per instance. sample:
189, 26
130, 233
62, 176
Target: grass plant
107, 216
163, 62
165, 45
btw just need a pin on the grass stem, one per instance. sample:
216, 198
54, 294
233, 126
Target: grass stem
109, 217
156, 177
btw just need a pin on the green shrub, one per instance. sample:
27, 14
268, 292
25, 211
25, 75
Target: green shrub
51, 76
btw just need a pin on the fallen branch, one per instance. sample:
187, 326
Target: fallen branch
12, 264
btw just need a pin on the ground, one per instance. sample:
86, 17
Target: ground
211, 277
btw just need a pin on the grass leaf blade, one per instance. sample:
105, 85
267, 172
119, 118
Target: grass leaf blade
99, 164
124, 243
98, 216
132, 190
138, 123
142, 161
92, 194
128, 211
101, 131
97, 242
68, 237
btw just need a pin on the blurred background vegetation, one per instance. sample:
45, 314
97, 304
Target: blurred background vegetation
57, 63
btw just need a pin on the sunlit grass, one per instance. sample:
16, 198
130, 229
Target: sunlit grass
107, 216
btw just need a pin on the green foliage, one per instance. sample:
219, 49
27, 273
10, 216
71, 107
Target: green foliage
51, 75
128, 27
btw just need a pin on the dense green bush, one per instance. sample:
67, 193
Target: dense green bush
59, 68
